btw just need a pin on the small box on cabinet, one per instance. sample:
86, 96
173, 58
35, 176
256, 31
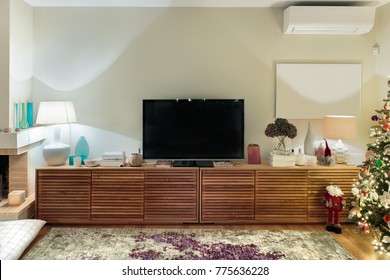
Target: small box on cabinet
16, 198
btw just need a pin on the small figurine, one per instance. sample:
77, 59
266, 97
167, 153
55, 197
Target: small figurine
334, 202
327, 158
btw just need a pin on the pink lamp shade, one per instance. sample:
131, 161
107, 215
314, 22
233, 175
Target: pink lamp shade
340, 127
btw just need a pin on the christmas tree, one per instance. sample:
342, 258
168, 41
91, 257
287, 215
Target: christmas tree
371, 206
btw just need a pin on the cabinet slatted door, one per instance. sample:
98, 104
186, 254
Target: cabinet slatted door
281, 196
117, 196
319, 180
63, 196
171, 196
227, 196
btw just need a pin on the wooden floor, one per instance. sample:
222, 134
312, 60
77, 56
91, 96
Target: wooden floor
359, 245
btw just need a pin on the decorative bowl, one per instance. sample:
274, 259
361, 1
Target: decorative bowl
92, 162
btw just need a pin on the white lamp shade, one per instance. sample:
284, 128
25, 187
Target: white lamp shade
340, 127
56, 112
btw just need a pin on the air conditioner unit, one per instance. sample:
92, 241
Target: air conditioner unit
328, 19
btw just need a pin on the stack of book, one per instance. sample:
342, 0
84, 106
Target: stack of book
164, 163
281, 160
113, 159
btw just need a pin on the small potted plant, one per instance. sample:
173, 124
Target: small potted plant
282, 131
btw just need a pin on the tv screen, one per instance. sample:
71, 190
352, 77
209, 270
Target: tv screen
193, 129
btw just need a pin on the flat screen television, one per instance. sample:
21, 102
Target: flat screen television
193, 129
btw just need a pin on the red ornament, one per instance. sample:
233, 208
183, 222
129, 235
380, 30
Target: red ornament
364, 227
386, 124
386, 219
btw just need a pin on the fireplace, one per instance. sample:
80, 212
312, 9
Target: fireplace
4, 182
14, 173
15, 149
1, 187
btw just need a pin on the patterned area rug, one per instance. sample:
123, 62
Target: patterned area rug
158, 244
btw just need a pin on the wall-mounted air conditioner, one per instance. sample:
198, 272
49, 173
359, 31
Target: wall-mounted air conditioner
328, 19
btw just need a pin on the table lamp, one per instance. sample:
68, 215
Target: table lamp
56, 113
340, 128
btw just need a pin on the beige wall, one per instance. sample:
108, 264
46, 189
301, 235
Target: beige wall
383, 59
16, 45
108, 60
4, 63
21, 53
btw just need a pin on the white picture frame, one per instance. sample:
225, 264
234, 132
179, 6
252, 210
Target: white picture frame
310, 91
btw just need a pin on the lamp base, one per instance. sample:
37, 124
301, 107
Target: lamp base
56, 153
340, 151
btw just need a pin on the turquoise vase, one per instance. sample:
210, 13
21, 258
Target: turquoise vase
82, 149
23, 120
16, 115
30, 114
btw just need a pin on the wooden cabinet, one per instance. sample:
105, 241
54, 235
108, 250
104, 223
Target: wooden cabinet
63, 196
281, 195
227, 195
242, 194
318, 180
117, 196
171, 195
292, 195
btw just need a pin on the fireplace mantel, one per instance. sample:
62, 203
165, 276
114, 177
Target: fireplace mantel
16, 143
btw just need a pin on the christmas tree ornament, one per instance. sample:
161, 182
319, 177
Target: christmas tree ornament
355, 211
374, 196
364, 227
369, 155
386, 124
374, 118
385, 199
379, 163
365, 172
372, 132
386, 150
355, 191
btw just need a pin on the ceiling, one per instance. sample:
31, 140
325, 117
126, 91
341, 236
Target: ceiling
198, 3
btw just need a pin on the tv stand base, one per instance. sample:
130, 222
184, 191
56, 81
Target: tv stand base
193, 163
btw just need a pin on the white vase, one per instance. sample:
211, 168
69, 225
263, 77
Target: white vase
309, 142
